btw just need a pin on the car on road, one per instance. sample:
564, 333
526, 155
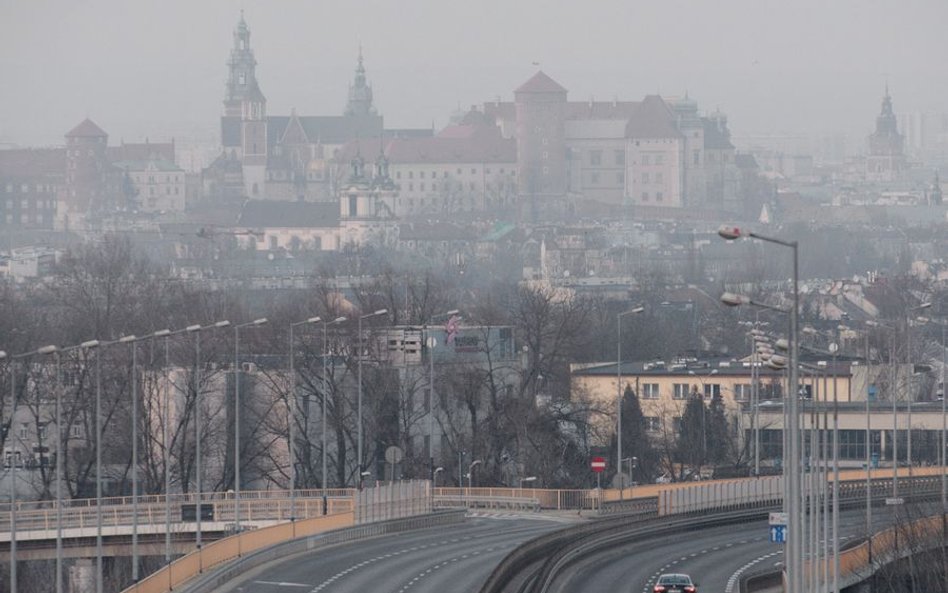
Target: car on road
675, 583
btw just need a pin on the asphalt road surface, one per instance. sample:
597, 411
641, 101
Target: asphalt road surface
452, 559
715, 558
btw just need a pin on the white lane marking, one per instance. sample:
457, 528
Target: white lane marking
279, 584
732, 580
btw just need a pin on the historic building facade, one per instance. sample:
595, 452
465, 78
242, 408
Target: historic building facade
886, 160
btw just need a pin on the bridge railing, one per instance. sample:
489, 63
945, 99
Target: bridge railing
549, 499
255, 506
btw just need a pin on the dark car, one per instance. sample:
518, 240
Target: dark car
675, 583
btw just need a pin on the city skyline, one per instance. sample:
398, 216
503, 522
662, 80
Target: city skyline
758, 62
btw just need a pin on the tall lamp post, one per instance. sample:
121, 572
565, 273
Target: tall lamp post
59, 556
237, 328
619, 317
196, 330
291, 408
360, 357
430, 343
325, 408
793, 561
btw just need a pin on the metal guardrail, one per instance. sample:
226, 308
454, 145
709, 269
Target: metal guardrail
41, 523
548, 499
563, 547
489, 502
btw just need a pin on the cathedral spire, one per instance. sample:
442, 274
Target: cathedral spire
360, 93
242, 88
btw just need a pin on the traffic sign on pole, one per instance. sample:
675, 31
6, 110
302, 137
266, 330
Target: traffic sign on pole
597, 464
778, 534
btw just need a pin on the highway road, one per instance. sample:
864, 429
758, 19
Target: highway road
715, 558
455, 559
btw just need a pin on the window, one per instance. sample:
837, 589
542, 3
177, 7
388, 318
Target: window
649, 390
594, 178
676, 423
653, 423
659, 196
353, 204
620, 178
24, 430
697, 157
421, 174
659, 159
659, 178
421, 186
742, 392
472, 186
645, 179
645, 196
620, 157
411, 174
474, 171
645, 159
546, 155
398, 174
680, 390
712, 390
459, 170
595, 157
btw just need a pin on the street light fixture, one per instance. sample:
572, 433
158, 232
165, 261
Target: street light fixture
633, 311
430, 343
325, 458
434, 475
291, 410
793, 559
237, 328
360, 357
196, 330
470, 473
50, 349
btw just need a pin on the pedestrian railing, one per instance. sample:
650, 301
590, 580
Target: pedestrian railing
256, 508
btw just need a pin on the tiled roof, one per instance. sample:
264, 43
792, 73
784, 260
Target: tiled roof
540, 83
434, 231
601, 109
141, 151
652, 119
143, 165
87, 129
276, 214
457, 144
32, 162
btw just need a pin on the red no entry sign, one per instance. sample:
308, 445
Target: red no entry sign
597, 464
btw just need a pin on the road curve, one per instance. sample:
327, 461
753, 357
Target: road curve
714, 557
455, 559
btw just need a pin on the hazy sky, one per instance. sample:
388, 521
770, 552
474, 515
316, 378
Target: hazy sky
157, 68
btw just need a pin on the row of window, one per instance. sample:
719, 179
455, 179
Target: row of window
657, 178
40, 188
595, 178
595, 157
151, 191
742, 391
653, 159
444, 174
42, 430
177, 179
26, 204
460, 187
29, 218
659, 196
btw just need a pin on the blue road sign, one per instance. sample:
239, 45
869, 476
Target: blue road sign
778, 534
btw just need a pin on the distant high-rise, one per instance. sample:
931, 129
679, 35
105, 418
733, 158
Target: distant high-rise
886, 159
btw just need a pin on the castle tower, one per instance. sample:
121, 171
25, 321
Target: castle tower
886, 159
360, 93
86, 182
245, 100
541, 144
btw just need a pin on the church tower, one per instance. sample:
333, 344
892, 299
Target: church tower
360, 93
245, 100
886, 159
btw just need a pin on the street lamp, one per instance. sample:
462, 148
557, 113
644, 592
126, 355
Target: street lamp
59, 554
528, 479
291, 409
237, 328
196, 330
325, 458
434, 475
470, 473
619, 317
360, 357
431, 343
793, 560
